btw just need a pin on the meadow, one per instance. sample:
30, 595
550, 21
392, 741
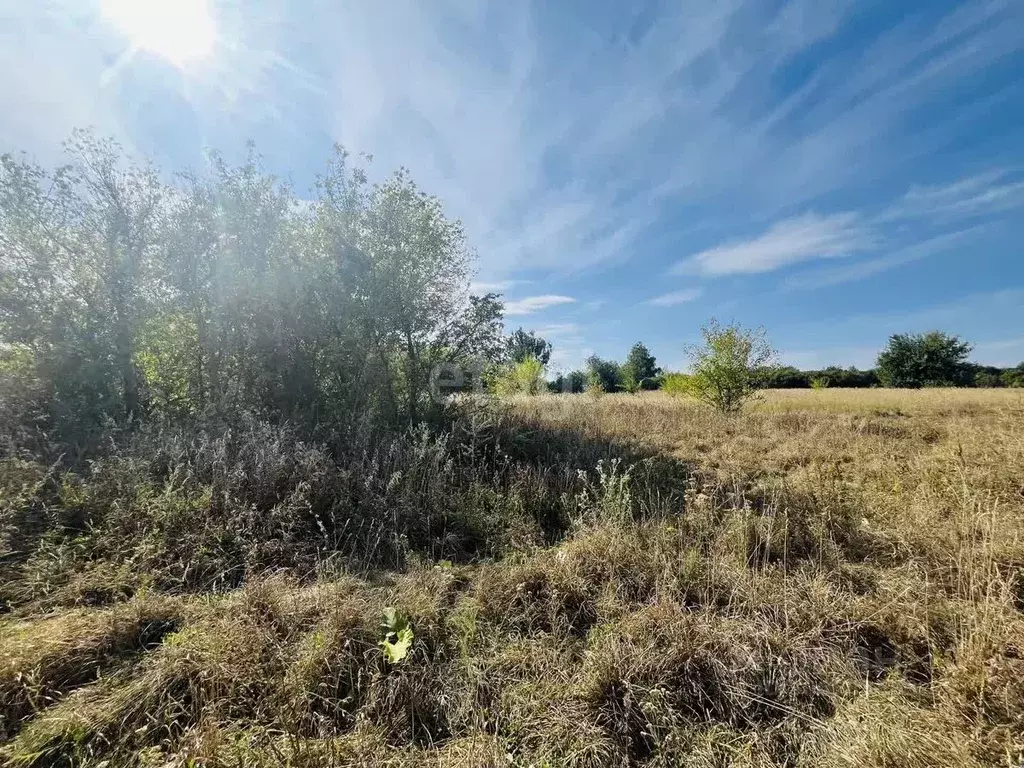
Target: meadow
830, 578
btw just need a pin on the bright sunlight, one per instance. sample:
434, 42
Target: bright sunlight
181, 31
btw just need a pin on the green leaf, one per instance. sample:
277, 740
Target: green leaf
398, 635
396, 645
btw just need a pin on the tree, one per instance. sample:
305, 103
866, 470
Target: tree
525, 377
1013, 377
933, 359
603, 374
783, 377
640, 371
220, 293
572, 382
726, 366
985, 378
848, 377
523, 344
78, 247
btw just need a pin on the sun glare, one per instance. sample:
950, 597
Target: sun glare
181, 31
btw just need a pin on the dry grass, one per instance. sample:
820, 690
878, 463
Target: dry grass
830, 579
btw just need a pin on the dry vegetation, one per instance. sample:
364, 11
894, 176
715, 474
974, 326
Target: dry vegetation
832, 578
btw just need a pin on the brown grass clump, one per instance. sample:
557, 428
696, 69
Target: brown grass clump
42, 659
830, 579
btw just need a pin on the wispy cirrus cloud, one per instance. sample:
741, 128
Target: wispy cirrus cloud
531, 304
861, 270
994, 191
676, 297
780, 128
801, 238
929, 211
553, 155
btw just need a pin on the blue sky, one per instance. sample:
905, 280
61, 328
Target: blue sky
836, 171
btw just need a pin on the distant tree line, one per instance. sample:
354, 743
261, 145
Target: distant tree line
933, 359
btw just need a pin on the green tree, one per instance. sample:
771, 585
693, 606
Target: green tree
572, 382
1013, 377
221, 293
848, 377
640, 371
523, 344
605, 375
932, 359
783, 377
726, 366
78, 247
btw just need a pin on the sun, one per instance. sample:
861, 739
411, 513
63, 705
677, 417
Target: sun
180, 31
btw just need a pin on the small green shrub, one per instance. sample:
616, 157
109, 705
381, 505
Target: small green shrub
525, 377
727, 365
676, 384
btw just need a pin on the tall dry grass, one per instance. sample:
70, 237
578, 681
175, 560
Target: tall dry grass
832, 578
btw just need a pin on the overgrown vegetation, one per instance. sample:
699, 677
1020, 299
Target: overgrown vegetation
237, 527
522, 377
125, 299
829, 578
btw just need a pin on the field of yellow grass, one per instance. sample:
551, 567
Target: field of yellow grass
831, 578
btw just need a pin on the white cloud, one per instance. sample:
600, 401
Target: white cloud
983, 194
558, 330
556, 157
531, 304
481, 125
675, 297
925, 210
847, 273
787, 242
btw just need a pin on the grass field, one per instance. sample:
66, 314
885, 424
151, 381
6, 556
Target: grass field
832, 578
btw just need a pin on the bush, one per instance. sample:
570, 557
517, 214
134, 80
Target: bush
676, 384
848, 378
726, 366
605, 375
523, 378
987, 379
1013, 377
